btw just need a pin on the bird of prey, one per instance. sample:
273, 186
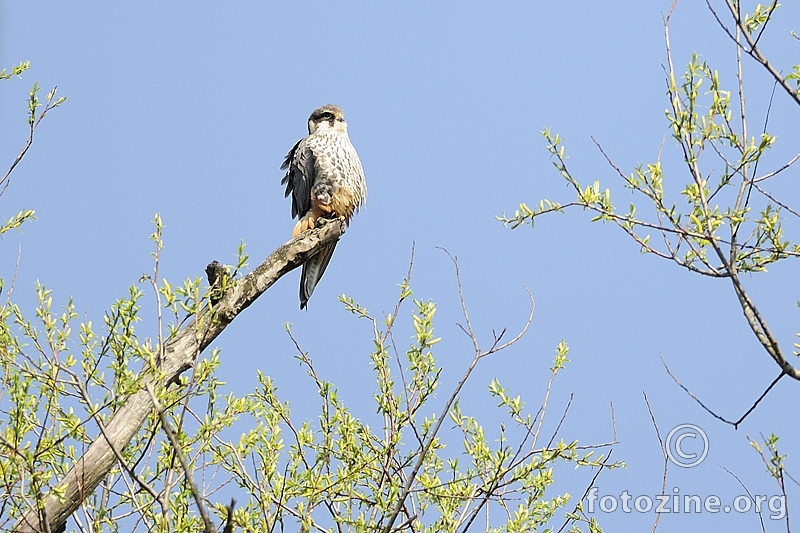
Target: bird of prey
325, 179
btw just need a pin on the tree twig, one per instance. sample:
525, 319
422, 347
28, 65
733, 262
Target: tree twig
734, 423
5, 180
187, 470
664, 453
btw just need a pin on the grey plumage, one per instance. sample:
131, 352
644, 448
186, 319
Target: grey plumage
325, 178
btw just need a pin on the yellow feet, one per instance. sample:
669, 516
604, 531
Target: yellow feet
307, 222
310, 221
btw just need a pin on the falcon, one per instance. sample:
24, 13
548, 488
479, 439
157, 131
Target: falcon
325, 178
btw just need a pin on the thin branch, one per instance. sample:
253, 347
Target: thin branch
469, 331
778, 474
764, 26
187, 470
6, 180
735, 423
750, 495
754, 52
776, 201
779, 170
563, 417
663, 452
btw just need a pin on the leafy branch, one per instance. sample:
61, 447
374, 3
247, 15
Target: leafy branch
35, 117
724, 223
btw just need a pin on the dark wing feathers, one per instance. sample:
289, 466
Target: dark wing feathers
300, 165
313, 269
299, 178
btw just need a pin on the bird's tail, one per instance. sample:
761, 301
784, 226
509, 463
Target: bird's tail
312, 272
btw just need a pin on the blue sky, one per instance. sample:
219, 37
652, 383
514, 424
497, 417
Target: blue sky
188, 111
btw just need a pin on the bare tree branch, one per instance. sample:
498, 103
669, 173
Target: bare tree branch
749, 495
734, 423
664, 453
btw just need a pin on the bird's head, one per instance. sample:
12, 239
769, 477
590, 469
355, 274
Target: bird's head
327, 117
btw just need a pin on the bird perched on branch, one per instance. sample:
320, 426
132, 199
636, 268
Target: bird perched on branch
325, 179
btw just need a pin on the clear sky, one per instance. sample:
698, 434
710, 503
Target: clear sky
188, 110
